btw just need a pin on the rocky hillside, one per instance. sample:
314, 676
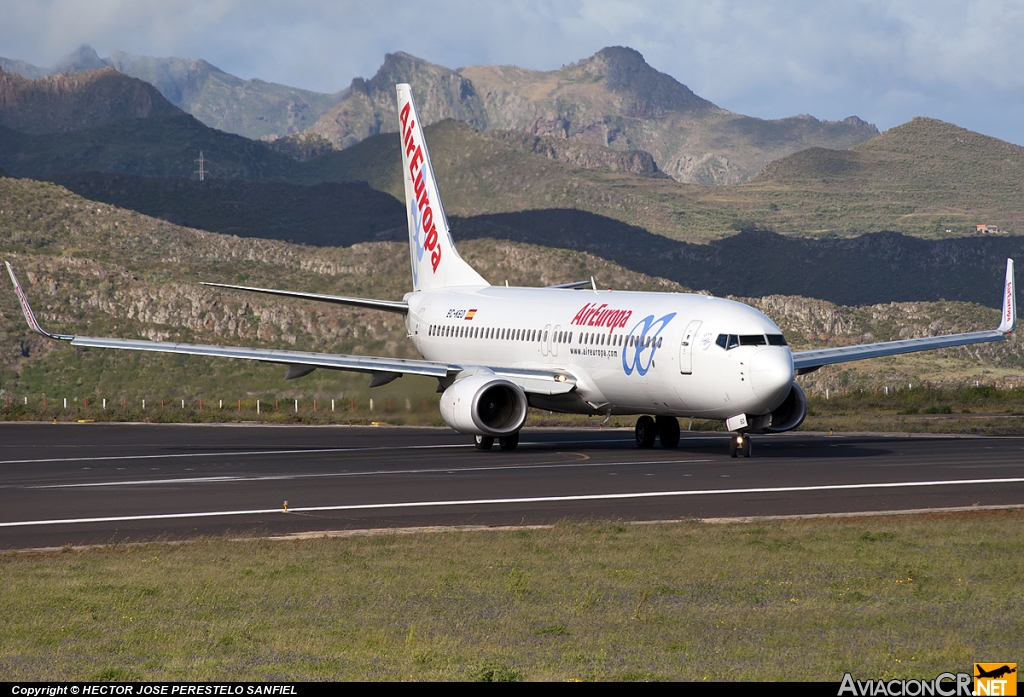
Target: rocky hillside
252, 108
924, 178
367, 107
91, 267
612, 99
72, 102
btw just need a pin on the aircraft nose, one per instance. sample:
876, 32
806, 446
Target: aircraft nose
771, 374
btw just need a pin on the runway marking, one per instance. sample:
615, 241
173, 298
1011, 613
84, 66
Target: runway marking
104, 458
527, 499
375, 473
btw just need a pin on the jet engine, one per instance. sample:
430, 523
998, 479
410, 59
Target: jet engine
787, 416
484, 405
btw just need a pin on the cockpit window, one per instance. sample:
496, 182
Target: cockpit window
777, 340
728, 341
752, 340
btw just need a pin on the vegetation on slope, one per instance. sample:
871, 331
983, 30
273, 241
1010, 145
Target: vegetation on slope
91, 268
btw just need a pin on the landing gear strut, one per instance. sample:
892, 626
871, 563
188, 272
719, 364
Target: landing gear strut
740, 445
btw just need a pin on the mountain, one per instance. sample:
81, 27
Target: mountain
252, 108
71, 102
924, 178
613, 99
26, 70
367, 107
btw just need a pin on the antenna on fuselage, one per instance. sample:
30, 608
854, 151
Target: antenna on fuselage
593, 283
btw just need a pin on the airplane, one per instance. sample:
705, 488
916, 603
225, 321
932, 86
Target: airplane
496, 351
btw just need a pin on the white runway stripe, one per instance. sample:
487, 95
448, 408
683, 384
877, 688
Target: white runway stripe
528, 499
374, 473
237, 453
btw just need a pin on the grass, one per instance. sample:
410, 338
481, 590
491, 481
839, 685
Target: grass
771, 600
982, 410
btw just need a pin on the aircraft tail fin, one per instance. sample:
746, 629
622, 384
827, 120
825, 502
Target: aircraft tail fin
435, 261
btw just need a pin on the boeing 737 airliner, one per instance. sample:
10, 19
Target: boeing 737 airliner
496, 351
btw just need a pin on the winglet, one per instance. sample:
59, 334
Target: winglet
30, 316
1009, 317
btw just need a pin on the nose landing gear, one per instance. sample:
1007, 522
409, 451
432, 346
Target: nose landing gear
740, 445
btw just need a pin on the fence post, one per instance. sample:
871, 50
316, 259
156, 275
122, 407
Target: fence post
296, 406
257, 406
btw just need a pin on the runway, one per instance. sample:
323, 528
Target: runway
94, 483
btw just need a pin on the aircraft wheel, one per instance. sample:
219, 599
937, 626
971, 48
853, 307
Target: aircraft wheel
646, 431
509, 442
748, 447
668, 431
733, 449
484, 442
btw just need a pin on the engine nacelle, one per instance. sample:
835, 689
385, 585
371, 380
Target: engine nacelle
787, 416
484, 405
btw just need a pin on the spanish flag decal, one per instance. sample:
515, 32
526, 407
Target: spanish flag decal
471, 313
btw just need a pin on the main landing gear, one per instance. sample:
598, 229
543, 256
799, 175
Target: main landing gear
740, 445
665, 429
510, 442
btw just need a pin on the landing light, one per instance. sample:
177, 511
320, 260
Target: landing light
560, 378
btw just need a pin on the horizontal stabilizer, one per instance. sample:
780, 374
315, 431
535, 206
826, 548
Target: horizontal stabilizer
387, 305
574, 284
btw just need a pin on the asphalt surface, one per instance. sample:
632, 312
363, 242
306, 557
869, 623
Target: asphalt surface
96, 483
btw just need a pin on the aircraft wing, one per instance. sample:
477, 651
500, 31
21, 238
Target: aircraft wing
809, 361
383, 370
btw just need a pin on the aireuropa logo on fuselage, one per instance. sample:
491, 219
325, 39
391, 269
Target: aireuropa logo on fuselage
642, 343
425, 237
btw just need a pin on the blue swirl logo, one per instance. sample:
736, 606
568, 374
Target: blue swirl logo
642, 343
416, 241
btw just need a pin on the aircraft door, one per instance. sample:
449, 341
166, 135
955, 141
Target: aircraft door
545, 345
554, 344
686, 347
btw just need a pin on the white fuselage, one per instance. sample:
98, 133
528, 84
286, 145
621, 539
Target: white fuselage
630, 353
